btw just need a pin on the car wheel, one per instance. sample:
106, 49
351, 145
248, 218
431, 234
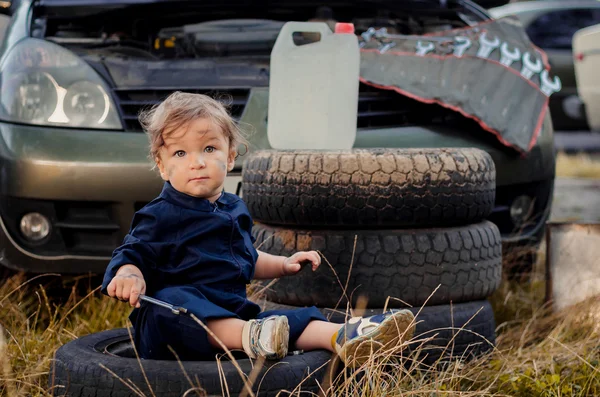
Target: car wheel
104, 363
375, 187
407, 265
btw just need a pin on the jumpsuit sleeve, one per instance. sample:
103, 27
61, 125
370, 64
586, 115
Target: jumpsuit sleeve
141, 247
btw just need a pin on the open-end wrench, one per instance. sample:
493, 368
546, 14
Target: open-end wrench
463, 45
423, 48
508, 57
487, 46
529, 67
549, 87
173, 309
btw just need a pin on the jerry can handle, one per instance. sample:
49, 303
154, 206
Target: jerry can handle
287, 31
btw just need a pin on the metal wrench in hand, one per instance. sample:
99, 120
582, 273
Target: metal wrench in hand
174, 309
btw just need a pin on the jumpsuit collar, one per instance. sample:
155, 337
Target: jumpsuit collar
172, 195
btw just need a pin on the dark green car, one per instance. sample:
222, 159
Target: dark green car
75, 74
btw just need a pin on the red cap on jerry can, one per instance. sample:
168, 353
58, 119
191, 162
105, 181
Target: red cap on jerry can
344, 28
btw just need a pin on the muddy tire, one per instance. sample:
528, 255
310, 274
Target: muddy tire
77, 371
406, 264
444, 332
375, 187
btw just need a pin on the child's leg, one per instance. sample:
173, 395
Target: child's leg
267, 337
227, 330
317, 335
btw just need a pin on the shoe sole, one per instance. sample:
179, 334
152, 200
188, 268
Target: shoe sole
397, 327
281, 336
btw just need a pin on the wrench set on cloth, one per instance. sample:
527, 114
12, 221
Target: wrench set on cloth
490, 71
481, 44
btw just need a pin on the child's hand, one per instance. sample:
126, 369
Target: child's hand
292, 265
127, 285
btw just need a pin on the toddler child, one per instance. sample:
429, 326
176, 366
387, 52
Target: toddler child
192, 247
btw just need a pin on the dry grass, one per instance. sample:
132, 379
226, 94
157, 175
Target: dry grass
579, 165
539, 353
41, 314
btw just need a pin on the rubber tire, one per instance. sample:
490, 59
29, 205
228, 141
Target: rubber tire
370, 188
408, 264
76, 371
471, 324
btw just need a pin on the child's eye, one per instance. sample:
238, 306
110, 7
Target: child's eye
179, 153
209, 149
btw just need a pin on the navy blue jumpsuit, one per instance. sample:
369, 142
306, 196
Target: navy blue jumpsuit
199, 255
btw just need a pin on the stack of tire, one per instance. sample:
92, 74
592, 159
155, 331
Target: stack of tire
398, 227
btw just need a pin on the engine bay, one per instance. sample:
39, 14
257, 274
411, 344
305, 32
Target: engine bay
170, 31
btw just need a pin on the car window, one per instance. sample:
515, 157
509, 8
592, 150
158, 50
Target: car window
555, 30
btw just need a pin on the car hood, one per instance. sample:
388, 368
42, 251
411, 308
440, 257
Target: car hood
51, 3
416, 4
431, 3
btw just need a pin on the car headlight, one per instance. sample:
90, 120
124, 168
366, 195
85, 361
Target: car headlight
45, 84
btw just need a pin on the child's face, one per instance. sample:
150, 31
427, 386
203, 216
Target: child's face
196, 158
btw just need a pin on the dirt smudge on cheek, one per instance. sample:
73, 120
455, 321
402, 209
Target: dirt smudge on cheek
222, 165
172, 171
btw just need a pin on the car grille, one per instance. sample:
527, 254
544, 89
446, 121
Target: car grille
133, 101
87, 227
387, 108
376, 107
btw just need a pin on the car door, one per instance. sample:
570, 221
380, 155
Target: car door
553, 32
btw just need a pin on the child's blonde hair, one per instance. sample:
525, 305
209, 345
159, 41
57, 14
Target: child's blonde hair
180, 108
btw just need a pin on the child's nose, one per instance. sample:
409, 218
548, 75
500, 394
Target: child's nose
198, 162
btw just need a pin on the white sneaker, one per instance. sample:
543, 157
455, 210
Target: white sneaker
360, 337
267, 337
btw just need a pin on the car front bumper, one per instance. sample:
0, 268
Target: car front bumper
89, 183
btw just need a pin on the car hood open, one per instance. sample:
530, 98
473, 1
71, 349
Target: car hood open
483, 3
425, 5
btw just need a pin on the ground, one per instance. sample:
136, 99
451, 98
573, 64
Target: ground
577, 188
576, 199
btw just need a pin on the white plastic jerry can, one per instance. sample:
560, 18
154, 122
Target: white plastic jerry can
313, 88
